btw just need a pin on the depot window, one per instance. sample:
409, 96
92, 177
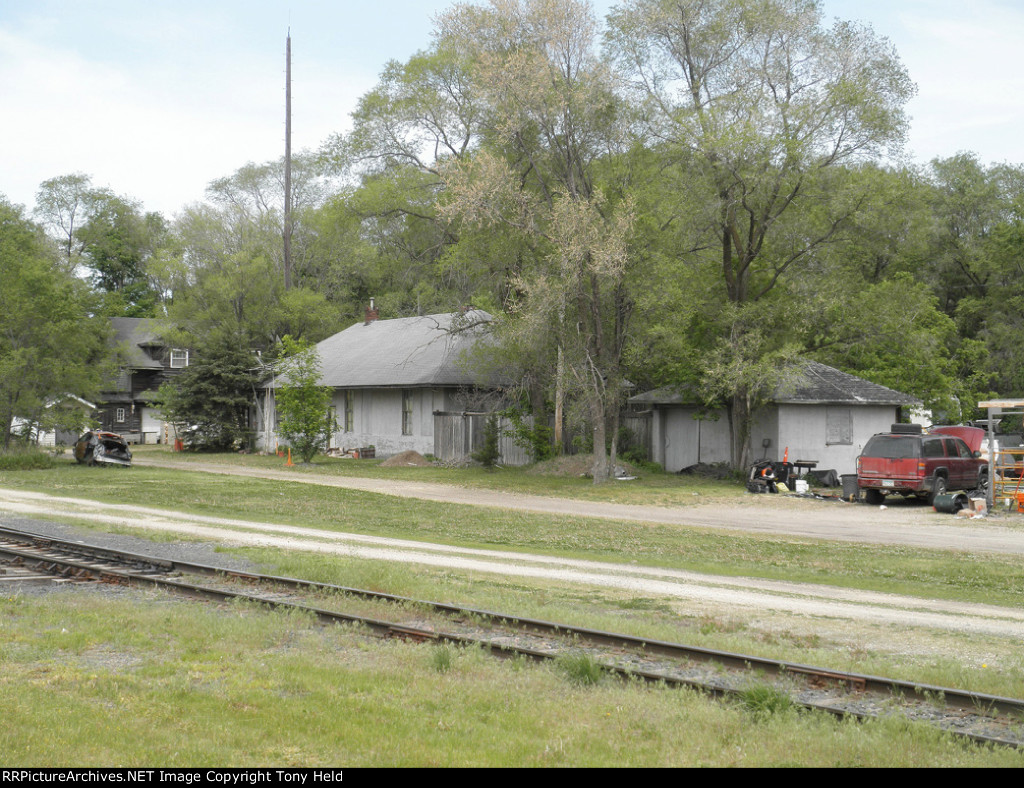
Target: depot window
407, 413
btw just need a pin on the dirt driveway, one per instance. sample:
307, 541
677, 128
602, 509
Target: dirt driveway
902, 523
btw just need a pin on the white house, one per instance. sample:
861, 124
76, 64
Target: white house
822, 415
389, 377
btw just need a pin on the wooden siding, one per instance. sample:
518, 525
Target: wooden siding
458, 435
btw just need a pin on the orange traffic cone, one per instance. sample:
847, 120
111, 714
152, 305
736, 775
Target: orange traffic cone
290, 463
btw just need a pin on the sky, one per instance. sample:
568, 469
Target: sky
156, 100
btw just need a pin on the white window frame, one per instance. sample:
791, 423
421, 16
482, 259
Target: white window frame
176, 358
119, 415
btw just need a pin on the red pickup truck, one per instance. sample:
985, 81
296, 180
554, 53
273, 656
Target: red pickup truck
910, 461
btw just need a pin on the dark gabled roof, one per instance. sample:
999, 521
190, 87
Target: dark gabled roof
812, 384
405, 352
132, 334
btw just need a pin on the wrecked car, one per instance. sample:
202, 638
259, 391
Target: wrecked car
107, 448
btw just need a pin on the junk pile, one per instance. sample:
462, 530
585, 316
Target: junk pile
768, 476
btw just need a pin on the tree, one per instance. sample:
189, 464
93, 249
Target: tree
50, 346
302, 404
252, 198
210, 400
552, 120
758, 106
63, 205
226, 283
118, 240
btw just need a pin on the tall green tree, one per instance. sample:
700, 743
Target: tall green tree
50, 346
118, 240
302, 404
226, 282
210, 401
552, 120
63, 205
758, 105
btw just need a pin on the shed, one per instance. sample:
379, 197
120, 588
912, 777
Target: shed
822, 414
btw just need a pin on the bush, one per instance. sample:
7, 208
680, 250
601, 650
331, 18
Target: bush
26, 460
536, 440
488, 454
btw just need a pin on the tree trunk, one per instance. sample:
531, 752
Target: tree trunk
559, 403
739, 428
600, 467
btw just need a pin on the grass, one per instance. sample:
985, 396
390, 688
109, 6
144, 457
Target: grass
100, 680
21, 458
581, 670
764, 701
652, 489
940, 574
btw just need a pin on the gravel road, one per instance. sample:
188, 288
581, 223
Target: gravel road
714, 594
902, 523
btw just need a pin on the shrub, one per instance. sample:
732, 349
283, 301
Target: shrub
488, 454
26, 460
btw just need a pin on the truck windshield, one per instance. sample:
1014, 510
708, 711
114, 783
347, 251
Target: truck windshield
892, 448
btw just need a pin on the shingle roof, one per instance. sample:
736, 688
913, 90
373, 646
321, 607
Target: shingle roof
132, 334
409, 352
813, 384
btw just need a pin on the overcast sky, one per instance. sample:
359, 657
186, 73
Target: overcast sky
155, 100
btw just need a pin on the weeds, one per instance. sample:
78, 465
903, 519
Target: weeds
442, 658
26, 459
764, 701
581, 669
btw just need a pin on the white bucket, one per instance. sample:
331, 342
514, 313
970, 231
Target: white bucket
801, 486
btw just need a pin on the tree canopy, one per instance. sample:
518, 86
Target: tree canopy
51, 345
694, 194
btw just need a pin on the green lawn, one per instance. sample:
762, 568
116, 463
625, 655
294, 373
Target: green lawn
655, 489
99, 681
987, 578
154, 682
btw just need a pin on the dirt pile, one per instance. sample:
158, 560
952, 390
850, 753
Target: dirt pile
406, 459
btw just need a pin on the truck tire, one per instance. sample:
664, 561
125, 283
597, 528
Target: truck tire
938, 488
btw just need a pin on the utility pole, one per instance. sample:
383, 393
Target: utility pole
288, 165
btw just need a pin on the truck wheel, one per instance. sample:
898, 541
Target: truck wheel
939, 488
874, 497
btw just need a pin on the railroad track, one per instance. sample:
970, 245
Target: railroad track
28, 557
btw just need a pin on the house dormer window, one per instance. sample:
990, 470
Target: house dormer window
179, 359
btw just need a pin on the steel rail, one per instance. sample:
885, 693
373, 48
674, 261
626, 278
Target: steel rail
149, 572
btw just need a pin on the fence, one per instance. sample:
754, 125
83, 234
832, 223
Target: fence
458, 435
639, 425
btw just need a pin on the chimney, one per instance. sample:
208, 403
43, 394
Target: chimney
371, 314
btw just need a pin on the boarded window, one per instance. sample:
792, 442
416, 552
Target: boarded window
407, 413
350, 406
839, 427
